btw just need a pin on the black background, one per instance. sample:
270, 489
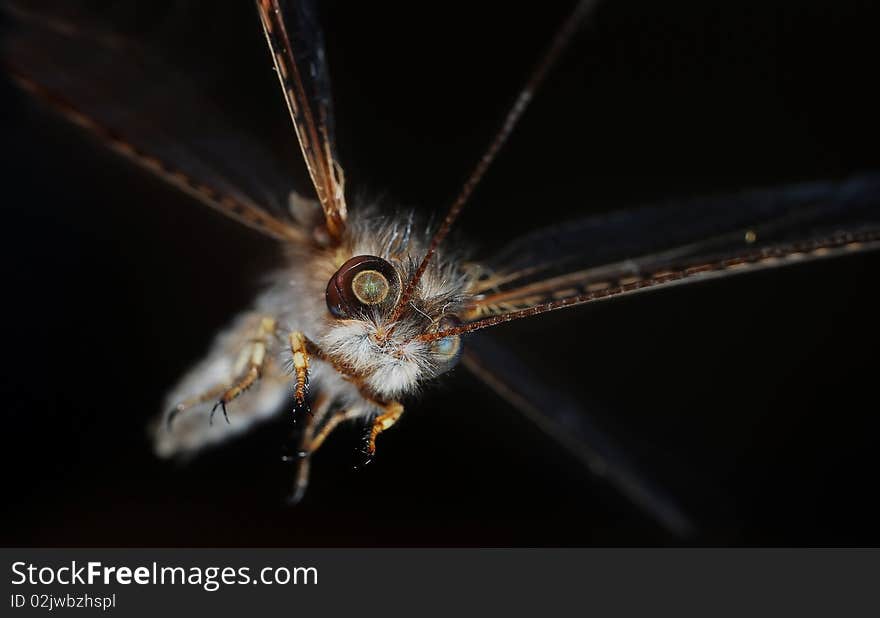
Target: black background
752, 400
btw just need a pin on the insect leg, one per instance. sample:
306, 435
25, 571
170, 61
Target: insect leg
391, 414
250, 366
319, 410
332, 423
186, 404
299, 348
313, 438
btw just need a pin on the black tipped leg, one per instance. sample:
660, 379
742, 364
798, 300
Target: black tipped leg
222, 405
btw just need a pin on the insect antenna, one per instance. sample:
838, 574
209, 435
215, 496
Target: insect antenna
812, 248
560, 40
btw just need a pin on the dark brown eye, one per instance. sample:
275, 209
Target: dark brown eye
363, 281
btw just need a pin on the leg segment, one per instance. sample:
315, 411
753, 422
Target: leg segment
298, 348
249, 367
186, 404
313, 437
332, 423
391, 414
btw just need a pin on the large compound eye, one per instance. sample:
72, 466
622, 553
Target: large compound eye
448, 348
363, 281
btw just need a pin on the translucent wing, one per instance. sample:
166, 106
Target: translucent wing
144, 108
569, 422
297, 48
652, 247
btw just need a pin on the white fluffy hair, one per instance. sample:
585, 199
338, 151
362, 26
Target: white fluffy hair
376, 369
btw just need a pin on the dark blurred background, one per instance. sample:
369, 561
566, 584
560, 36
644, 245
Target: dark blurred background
752, 400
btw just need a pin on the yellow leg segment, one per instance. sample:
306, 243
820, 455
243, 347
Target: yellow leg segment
300, 365
393, 412
186, 404
249, 367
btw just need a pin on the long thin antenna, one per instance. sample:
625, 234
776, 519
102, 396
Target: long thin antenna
563, 36
763, 258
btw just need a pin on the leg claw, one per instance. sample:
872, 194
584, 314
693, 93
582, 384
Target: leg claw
222, 405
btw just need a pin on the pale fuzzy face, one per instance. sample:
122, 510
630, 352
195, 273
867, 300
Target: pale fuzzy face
391, 368
394, 365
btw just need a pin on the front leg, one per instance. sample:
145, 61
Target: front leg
249, 367
302, 349
391, 413
227, 366
300, 355
186, 404
313, 437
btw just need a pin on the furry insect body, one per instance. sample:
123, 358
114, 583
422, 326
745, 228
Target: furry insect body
354, 367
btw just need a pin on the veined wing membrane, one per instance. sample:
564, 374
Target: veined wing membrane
145, 110
648, 248
296, 44
634, 250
